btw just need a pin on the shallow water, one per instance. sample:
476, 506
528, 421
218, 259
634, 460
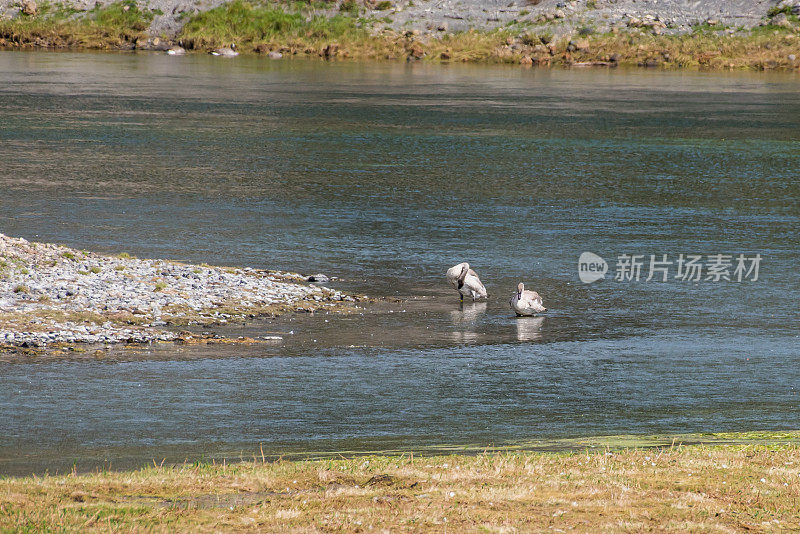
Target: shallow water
385, 175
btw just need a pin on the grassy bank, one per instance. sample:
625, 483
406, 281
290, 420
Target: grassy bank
116, 26
748, 486
331, 30
264, 28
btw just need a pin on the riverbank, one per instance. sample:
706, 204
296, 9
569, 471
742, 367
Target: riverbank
576, 33
56, 296
752, 485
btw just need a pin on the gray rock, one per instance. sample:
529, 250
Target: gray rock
781, 20
321, 278
28, 7
274, 55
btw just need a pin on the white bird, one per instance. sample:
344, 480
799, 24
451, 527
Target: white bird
226, 52
466, 281
176, 51
526, 302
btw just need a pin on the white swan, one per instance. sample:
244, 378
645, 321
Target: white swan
526, 302
226, 52
466, 281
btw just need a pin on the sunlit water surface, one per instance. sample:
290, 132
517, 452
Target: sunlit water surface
385, 175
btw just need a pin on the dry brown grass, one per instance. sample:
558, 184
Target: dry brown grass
760, 50
42, 319
677, 489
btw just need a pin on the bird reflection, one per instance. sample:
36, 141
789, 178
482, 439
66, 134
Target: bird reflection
468, 312
529, 328
466, 316
464, 337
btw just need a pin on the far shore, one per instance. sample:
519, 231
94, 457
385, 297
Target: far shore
350, 30
736, 482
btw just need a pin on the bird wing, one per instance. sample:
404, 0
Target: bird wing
533, 296
475, 282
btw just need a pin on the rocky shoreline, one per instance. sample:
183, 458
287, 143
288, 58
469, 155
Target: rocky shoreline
52, 294
436, 17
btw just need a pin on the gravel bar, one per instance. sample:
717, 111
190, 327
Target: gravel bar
51, 293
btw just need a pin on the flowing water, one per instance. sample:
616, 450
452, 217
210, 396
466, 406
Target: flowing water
385, 175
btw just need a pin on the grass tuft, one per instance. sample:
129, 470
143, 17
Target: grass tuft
112, 26
249, 25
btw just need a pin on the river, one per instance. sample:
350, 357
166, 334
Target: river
384, 175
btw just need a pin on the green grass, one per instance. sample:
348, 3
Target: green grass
248, 25
777, 10
705, 28
124, 18
350, 7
